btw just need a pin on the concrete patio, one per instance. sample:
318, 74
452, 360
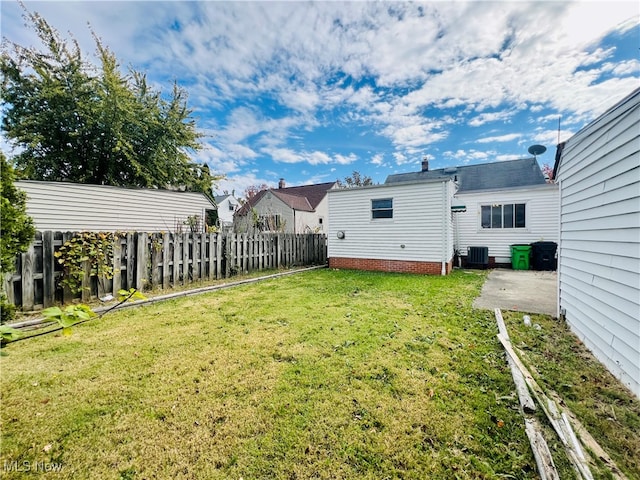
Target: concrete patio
520, 290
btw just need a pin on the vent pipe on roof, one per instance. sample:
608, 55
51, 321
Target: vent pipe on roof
281, 183
425, 164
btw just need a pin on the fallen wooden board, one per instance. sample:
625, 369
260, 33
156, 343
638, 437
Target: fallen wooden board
541, 452
583, 434
564, 431
526, 402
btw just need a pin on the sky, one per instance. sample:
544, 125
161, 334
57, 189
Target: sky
312, 91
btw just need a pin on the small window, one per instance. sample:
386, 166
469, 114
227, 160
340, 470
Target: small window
231, 207
382, 208
508, 215
320, 221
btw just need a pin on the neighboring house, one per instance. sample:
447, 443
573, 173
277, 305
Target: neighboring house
62, 206
300, 209
396, 227
496, 205
227, 205
598, 171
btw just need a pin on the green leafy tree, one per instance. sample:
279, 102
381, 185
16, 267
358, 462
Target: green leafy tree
356, 179
16, 228
77, 122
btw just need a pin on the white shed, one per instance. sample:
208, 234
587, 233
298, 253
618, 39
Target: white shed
399, 227
598, 170
62, 206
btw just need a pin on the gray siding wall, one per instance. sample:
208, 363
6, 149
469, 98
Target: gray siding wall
541, 219
75, 207
421, 222
599, 261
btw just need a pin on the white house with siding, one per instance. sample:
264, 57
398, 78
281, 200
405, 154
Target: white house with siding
496, 205
539, 222
598, 171
227, 205
401, 227
62, 206
299, 209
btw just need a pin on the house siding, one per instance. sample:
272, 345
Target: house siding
307, 222
599, 254
541, 220
80, 207
420, 230
226, 209
269, 204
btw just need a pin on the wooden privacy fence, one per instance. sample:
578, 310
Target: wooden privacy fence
149, 261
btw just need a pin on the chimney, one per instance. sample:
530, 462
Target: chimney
281, 183
425, 164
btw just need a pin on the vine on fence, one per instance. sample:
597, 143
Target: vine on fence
96, 248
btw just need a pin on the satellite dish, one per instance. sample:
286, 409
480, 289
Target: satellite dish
536, 150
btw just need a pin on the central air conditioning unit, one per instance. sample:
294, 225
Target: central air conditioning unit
478, 257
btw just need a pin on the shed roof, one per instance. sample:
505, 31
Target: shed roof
483, 176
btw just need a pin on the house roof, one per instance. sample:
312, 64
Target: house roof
483, 176
303, 198
222, 198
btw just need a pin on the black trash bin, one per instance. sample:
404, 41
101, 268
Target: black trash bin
543, 255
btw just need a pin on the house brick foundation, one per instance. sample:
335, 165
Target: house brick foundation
399, 266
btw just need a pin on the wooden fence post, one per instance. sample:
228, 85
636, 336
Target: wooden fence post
219, 241
67, 295
203, 255
166, 261
48, 270
186, 278
177, 258
117, 266
27, 278
131, 260
141, 260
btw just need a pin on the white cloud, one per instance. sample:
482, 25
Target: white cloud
377, 159
467, 156
483, 118
260, 74
501, 138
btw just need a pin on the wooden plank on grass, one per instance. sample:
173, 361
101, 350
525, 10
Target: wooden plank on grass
542, 454
564, 431
526, 402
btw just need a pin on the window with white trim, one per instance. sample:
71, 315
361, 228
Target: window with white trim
507, 215
382, 208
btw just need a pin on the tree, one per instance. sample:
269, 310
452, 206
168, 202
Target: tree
252, 190
356, 179
16, 229
547, 171
92, 124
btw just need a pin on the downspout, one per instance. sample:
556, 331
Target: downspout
559, 310
443, 270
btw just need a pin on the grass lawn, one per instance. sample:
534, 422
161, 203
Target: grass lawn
324, 374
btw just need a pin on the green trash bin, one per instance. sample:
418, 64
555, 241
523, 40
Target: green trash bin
520, 255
